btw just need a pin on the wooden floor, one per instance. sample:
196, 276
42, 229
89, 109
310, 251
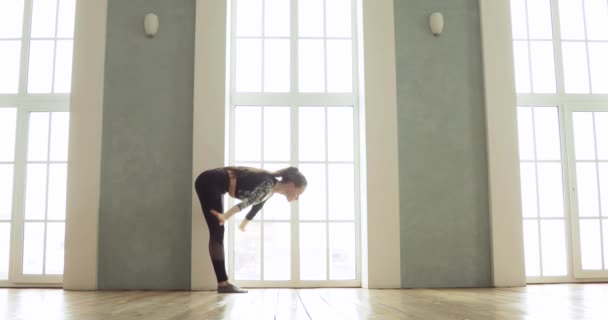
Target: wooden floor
566, 301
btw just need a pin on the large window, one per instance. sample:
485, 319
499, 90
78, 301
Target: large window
36, 39
293, 102
560, 49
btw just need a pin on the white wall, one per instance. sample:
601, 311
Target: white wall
380, 225
86, 106
208, 123
503, 153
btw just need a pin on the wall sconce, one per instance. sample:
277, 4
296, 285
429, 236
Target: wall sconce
436, 23
151, 25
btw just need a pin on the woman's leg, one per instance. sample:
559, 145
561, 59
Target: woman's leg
210, 198
210, 191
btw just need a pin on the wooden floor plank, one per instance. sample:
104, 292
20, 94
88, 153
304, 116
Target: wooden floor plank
556, 302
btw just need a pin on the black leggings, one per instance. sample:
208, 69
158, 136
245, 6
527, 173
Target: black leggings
210, 186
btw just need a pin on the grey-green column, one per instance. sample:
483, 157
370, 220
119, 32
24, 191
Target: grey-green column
445, 230
146, 165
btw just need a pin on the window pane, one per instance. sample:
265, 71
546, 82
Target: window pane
522, 66
314, 201
35, 192
518, 19
277, 251
248, 18
6, 191
55, 235
528, 190
277, 66
531, 250
539, 19
44, 18
40, 73
38, 137
525, 130
60, 130
247, 252
586, 181
248, 133
63, 67
572, 24
603, 177
543, 66
550, 188
248, 65
576, 74
338, 17
584, 141
8, 122
11, 19
5, 245
341, 191
597, 19
601, 132
546, 122
342, 251
599, 66
277, 18
310, 18
10, 57
340, 134
339, 66
591, 252
553, 234
277, 129
313, 251
58, 174
277, 207
67, 13
311, 133
311, 66
33, 247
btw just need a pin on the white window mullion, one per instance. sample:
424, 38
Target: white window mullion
587, 48
327, 244
567, 190
261, 218
46, 195
25, 46
599, 191
295, 209
16, 254
55, 40
557, 47
528, 44
538, 218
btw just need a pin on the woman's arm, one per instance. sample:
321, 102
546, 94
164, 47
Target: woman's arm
223, 217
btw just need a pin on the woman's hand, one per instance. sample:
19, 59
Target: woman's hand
243, 225
219, 216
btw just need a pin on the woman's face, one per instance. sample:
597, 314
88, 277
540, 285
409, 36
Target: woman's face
293, 192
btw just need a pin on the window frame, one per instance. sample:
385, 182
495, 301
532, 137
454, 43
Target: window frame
293, 100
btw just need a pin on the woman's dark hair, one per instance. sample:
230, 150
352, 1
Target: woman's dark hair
291, 174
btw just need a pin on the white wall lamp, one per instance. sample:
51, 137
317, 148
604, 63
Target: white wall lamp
436, 23
151, 25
